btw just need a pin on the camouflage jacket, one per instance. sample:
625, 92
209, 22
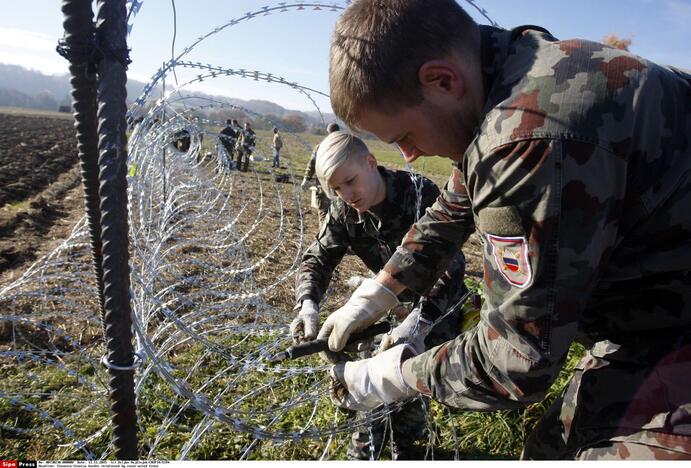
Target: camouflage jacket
228, 137
373, 236
579, 182
247, 139
312, 164
229, 134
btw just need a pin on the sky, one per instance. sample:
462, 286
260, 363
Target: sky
294, 44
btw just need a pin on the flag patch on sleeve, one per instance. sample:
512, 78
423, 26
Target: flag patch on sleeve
511, 257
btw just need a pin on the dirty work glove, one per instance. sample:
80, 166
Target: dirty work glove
413, 330
367, 384
304, 184
369, 302
304, 326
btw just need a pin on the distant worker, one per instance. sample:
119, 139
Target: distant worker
182, 140
245, 147
228, 138
322, 199
276, 146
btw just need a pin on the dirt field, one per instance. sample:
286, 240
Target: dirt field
41, 197
40, 188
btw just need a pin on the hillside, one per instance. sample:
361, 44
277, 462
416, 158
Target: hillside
31, 89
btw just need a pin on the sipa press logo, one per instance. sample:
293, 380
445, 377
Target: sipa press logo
18, 464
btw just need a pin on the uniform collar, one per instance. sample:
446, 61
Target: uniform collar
495, 47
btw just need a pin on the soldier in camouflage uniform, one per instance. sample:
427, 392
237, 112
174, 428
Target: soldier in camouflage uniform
573, 160
245, 146
372, 219
228, 137
323, 200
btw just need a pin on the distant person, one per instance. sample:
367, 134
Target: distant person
228, 137
276, 146
323, 200
372, 209
245, 147
182, 140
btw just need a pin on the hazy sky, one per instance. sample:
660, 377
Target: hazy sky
294, 44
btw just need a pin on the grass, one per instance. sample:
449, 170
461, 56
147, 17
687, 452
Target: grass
296, 155
35, 112
473, 435
16, 206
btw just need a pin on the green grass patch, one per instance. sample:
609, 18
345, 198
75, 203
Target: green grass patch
35, 112
16, 206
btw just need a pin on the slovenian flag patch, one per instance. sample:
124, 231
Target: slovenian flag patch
511, 256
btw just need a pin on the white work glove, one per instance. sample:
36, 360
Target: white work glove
413, 330
369, 302
304, 184
304, 326
355, 281
367, 384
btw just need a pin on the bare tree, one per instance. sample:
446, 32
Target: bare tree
617, 42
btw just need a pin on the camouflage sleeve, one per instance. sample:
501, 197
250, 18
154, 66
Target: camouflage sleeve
311, 165
548, 216
430, 245
321, 258
446, 292
448, 289
429, 192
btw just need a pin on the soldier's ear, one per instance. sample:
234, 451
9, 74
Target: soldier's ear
441, 77
371, 161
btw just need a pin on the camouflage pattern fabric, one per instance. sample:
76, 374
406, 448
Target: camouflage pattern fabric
322, 198
248, 139
228, 137
373, 236
323, 203
310, 170
244, 148
407, 425
579, 182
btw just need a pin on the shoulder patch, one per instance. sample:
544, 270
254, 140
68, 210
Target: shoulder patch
511, 255
501, 221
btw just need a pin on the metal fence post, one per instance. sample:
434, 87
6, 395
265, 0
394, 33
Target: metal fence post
103, 48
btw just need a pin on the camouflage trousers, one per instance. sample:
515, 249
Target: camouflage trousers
400, 432
406, 425
324, 204
620, 405
243, 159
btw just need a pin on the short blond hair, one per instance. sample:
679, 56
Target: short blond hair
337, 148
378, 47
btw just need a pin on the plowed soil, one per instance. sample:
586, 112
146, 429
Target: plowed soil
41, 197
40, 191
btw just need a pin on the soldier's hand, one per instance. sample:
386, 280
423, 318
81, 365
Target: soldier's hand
369, 303
304, 326
413, 330
367, 384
